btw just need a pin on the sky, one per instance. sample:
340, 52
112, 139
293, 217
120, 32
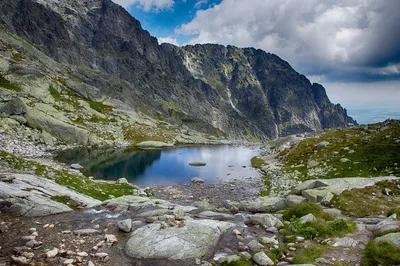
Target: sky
351, 47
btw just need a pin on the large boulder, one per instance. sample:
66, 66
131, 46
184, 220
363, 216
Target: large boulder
58, 126
15, 106
196, 239
260, 205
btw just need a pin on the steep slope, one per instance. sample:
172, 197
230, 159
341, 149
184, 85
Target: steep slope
95, 50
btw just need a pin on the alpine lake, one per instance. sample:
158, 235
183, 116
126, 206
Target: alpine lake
169, 166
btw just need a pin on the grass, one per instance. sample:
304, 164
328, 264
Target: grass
241, 262
324, 226
309, 255
372, 151
381, 254
361, 202
257, 162
64, 199
8, 85
100, 107
100, 191
302, 209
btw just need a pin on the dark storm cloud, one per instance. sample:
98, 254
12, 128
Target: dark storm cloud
349, 40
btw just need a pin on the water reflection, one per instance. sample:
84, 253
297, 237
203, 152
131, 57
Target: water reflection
165, 167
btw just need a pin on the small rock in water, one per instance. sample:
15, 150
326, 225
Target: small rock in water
197, 180
110, 238
197, 164
125, 225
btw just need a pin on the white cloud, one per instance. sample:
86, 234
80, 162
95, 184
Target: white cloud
147, 5
168, 39
315, 36
199, 3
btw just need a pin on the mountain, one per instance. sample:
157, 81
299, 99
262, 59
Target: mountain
75, 63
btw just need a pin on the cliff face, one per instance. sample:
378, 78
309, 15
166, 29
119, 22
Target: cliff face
101, 51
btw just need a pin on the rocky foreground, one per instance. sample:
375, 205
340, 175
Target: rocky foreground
44, 222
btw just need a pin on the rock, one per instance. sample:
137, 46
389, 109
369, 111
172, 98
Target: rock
323, 261
262, 259
90, 263
19, 260
68, 261
346, 242
154, 144
387, 224
196, 239
236, 232
293, 200
266, 220
327, 199
344, 160
82, 254
76, 166
125, 225
245, 255
312, 163
322, 144
13, 107
197, 164
85, 232
122, 180
101, 255
28, 238
111, 238
299, 239
307, 218
52, 253
229, 259
33, 244
269, 240
197, 180
260, 205
392, 238
255, 246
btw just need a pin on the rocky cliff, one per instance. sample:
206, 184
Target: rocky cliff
92, 55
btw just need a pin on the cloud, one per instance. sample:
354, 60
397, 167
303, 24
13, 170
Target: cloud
199, 3
321, 38
168, 39
147, 5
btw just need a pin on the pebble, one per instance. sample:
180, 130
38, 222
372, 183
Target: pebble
82, 254
33, 244
90, 263
28, 255
110, 238
28, 238
31, 230
52, 253
68, 261
19, 260
236, 232
101, 255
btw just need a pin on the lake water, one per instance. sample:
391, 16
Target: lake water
165, 167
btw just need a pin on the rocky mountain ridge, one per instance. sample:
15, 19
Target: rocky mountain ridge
96, 52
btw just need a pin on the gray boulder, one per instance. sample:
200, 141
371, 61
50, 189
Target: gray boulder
307, 218
260, 205
196, 239
266, 220
392, 238
125, 225
13, 107
293, 200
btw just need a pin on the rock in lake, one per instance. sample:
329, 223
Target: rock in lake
196, 239
197, 180
197, 164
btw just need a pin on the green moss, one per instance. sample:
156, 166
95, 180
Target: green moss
8, 85
100, 191
54, 92
310, 254
100, 107
302, 209
64, 199
381, 254
359, 203
17, 57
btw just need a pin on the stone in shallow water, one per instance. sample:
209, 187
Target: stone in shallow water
196, 239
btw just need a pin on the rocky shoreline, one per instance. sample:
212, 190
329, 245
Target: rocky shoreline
188, 224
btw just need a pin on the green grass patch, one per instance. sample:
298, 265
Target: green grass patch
241, 262
8, 85
54, 92
100, 191
309, 255
305, 208
368, 201
381, 254
371, 151
100, 107
64, 199
319, 229
257, 162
